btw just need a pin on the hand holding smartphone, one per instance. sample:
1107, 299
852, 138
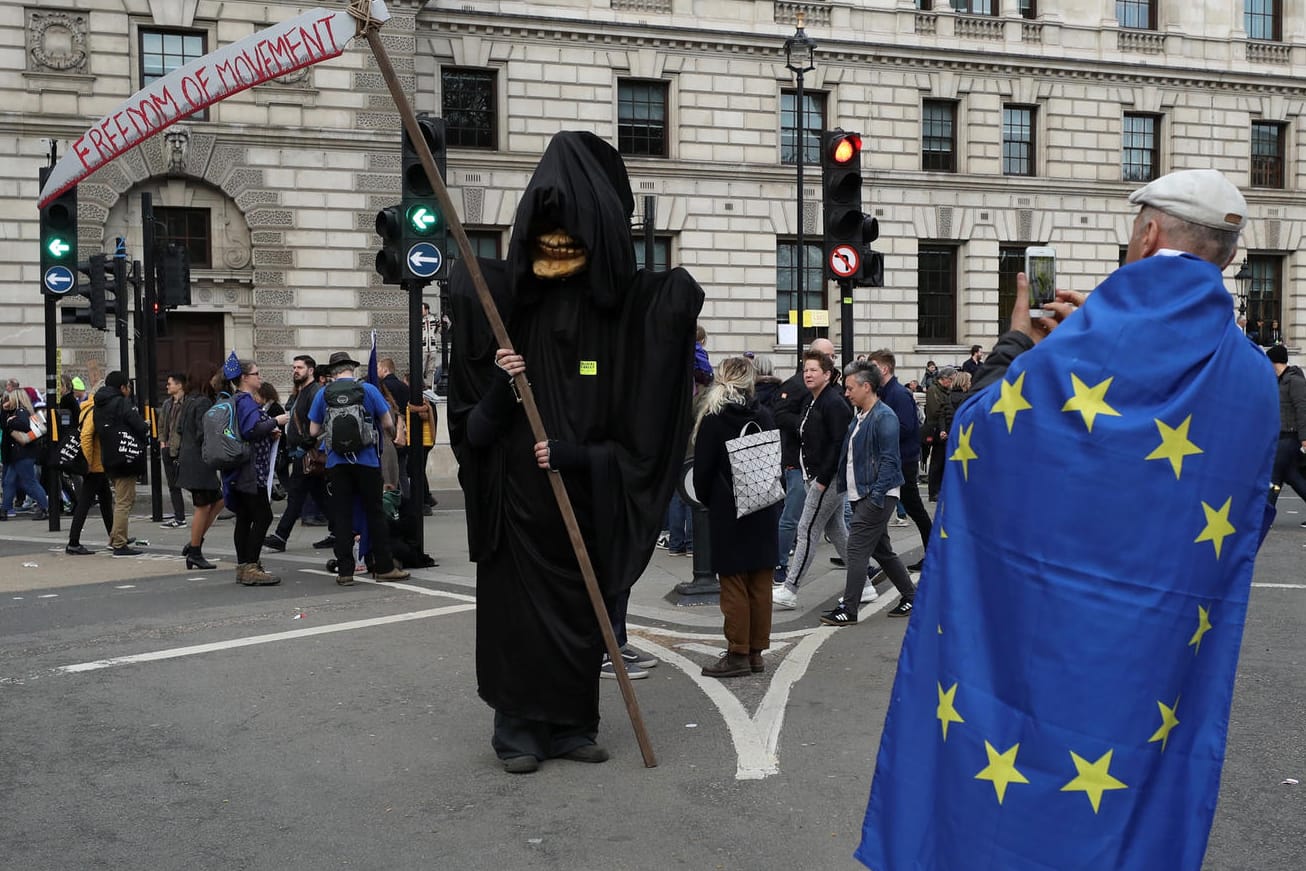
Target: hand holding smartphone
1041, 273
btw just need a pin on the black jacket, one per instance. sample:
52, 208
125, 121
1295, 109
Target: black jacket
192, 472
825, 425
1292, 401
787, 405
115, 413
744, 544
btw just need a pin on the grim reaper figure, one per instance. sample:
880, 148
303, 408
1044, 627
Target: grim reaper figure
608, 350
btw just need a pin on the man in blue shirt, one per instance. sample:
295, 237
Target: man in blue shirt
900, 399
356, 475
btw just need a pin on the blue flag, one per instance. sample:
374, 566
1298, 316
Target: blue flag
1063, 691
372, 377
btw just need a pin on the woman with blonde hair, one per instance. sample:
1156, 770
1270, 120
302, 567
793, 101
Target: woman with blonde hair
744, 548
19, 451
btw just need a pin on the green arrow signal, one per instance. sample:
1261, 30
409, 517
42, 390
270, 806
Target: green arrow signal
58, 247
422, 219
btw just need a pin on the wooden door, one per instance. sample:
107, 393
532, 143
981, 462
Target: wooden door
191, 337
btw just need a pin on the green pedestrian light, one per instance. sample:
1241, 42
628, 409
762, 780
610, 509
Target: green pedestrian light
58, 248
423, 219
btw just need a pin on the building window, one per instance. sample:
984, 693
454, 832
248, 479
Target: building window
1264, 19
1018, 140
1028, 9
642, 118
976, 7
939, 136
1267, 154
925, 5
1011, 260
467, 100
162, 51
786, 283
189, 228
1137, 14
1264, 298
813, 123
661, 253
1142, 147
485, 243
936, 295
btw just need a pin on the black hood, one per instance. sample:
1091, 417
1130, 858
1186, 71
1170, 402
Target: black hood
581, 187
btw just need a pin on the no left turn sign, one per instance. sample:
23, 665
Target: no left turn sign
845, 260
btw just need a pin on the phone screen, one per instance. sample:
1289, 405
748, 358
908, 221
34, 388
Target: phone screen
1041, 272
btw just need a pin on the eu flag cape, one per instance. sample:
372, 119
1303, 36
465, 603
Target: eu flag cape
1063, 692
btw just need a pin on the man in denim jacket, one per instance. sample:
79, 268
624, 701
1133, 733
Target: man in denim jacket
871, 472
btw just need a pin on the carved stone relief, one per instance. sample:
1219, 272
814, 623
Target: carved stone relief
56, 41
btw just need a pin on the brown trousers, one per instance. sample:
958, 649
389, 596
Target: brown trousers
124, 499
746, 605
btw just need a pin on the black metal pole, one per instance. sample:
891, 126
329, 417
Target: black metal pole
53, 491
442, 380
416, 453
846, 319
148, 244
802, 248
650, 237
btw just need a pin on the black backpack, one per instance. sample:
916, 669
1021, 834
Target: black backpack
348, 426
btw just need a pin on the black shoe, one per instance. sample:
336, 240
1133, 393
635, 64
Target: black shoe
840, 616
902, 609
521, 765
77, 550
587, 753
40, 514
329, 541
312, 521
127, 550
274, 542
838, 561
917, 566
195, 560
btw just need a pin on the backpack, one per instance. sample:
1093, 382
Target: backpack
222, 448
348, 426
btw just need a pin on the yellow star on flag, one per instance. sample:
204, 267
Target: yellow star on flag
1094, 778
1174, 445
1001, 770
1203, 627
964, 452
1168, 722
947, 711
1012, 402
1089, 401
1218, 527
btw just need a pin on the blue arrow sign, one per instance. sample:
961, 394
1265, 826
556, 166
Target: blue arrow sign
424, 259
59, 279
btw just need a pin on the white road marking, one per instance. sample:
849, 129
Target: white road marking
757, 737
1282, 586
48, 596
709, 650
412, 588
196, 649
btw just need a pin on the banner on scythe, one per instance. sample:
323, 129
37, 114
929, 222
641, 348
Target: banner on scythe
307, 39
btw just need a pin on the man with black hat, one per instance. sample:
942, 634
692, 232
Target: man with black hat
348, 413
1292, 425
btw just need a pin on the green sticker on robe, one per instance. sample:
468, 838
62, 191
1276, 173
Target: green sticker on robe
589, 367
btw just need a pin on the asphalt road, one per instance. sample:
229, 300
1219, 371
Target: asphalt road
308, 726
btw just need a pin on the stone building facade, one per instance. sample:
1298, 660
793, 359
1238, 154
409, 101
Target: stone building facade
988, 128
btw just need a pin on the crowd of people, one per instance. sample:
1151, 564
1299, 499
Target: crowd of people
98, 442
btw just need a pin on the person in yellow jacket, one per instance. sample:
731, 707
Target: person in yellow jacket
94, 485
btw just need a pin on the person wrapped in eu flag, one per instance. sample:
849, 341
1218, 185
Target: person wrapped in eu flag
1063, 692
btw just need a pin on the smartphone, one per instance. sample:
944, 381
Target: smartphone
1041, 273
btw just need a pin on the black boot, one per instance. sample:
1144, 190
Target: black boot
195, 560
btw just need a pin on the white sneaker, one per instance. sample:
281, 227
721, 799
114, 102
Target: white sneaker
783, 597
868, 594
899, 521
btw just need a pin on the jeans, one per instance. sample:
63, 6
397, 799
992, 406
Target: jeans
868, 538
822, 512
22, 472
910, 504
680, 523
1287, 456
795, 494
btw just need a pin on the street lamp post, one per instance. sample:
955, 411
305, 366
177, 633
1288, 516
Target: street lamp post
800, 51
1244, 281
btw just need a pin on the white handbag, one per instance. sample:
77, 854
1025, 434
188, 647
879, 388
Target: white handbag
755, 468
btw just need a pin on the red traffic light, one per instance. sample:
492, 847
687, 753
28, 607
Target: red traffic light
845, 149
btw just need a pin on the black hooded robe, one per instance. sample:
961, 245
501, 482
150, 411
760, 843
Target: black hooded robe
608, 354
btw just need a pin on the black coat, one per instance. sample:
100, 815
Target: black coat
11, 451
787, 404
192, 472
744, 544
823, 430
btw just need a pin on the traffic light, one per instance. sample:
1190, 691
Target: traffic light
425, 231
97, 274
174, 276
59, 241
841, 193
390, 258
872, 271
160, 319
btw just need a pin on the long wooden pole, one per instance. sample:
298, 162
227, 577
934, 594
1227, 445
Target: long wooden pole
468, 257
